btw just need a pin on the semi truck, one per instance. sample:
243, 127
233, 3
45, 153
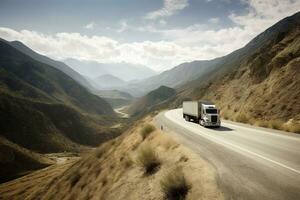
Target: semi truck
203, 112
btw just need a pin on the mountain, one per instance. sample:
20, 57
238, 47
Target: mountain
123, 71
115, 98
108, 81
174, 77
59, 65
45, 110
151, 100
17, 161
259, 83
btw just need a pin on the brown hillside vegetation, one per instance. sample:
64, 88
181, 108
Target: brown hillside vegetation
151, 101
263, 87
16, 161
113, 171
45, 110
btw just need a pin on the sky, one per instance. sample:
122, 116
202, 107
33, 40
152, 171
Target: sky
159, 34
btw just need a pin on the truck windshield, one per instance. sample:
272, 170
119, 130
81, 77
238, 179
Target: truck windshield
211, 111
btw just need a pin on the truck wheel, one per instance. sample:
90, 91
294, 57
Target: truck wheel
187, 118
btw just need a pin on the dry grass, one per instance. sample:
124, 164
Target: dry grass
264, 124
276, 124
174, 185
292, 126
110, 173
147, 159
243, 118
147, 130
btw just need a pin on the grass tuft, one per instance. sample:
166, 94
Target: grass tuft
146, 130
275, 124
74, 179
242, 118
174, 185
147, 159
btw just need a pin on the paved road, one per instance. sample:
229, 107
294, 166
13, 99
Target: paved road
251, 162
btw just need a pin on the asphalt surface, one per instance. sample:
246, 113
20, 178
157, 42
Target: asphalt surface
251, 162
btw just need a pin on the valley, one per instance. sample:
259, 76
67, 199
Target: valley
99, 127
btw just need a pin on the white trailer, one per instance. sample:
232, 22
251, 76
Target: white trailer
203, 112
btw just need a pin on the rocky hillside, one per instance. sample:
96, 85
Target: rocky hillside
260, 83
16, 160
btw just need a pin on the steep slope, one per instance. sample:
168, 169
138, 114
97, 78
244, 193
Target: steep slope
58, 65
174, 77
124, 71
45, 110
262, 86
19, 70
16, 160
112, 172
153, 99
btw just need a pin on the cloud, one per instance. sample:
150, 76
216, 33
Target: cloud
214, 20
59, 46
123, 26
177, 45
263, 14
162, 22
170, 7
90, 26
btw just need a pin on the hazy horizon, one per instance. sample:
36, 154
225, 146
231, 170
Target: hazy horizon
158, 34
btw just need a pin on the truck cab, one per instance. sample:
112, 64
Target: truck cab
209, 115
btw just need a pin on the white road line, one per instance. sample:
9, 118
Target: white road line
262, 131
168, 115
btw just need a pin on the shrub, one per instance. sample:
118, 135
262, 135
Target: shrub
262, 124
292, 127
147, 159
242, 118
174, 185
146, 130
275, 124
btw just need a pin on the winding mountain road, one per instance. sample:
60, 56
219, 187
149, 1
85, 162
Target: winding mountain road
251, 162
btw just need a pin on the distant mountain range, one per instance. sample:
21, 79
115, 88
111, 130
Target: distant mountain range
59, 65
44, 109
108, 81
123, 71
115, 98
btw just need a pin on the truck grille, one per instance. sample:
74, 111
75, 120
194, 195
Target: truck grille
214, 119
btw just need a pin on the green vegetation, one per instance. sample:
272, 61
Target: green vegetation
147, 159
174, 185
146, 130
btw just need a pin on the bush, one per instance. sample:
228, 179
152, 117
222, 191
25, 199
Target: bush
264, 124
275, 124
147, 159
242, 118
174, 185
146, 130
